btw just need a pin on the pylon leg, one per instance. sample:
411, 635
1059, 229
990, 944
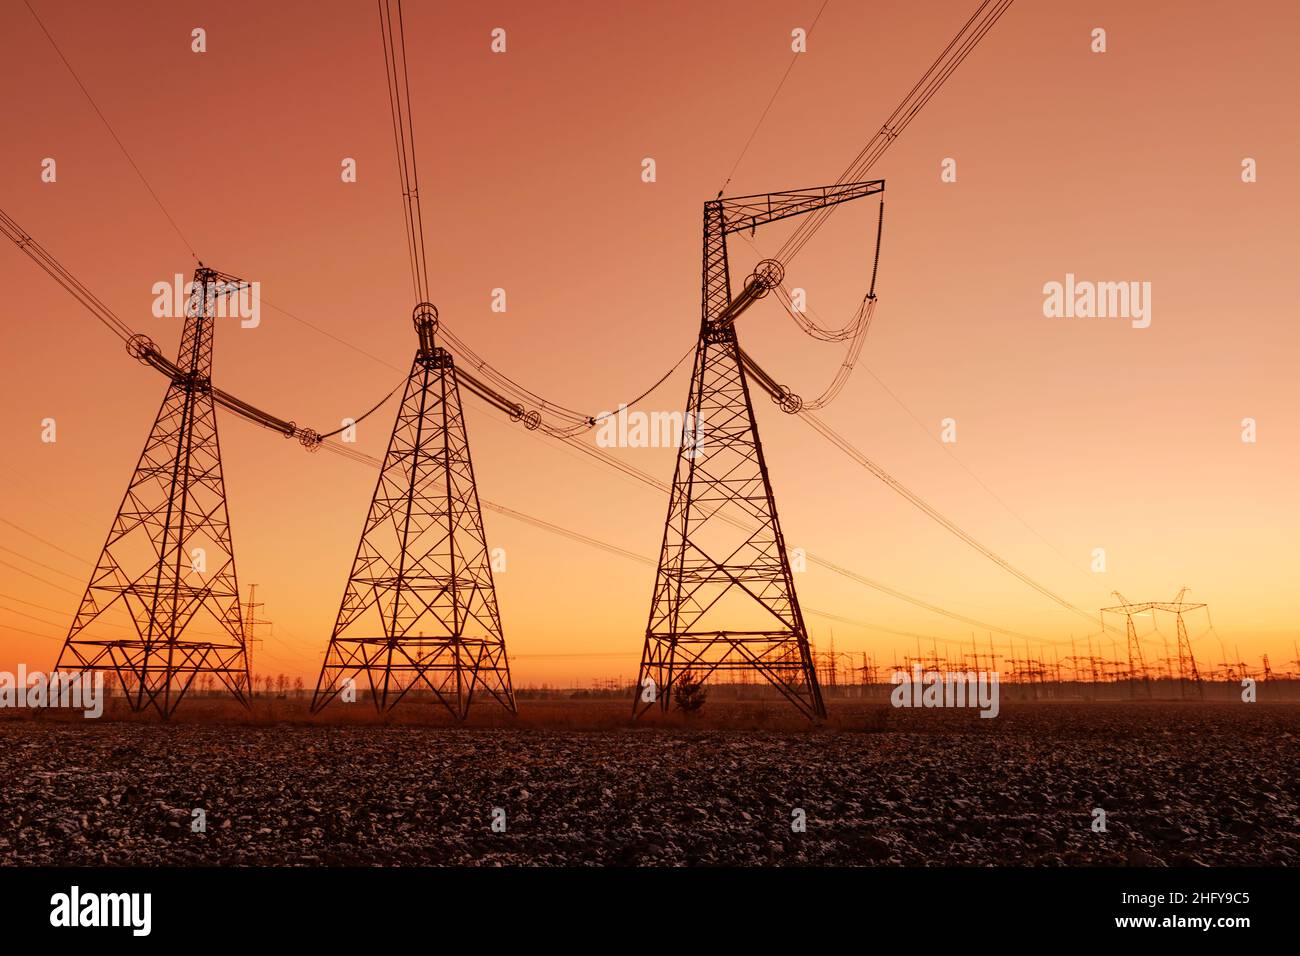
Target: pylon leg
419, 613
1187, 670
168, 562
1136, 664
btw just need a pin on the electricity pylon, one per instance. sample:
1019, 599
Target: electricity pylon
1187, 670
251, 620
419, 612
169, 560
724, 596
1137, 668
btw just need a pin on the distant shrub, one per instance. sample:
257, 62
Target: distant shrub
689, 693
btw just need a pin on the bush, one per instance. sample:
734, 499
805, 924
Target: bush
689, 693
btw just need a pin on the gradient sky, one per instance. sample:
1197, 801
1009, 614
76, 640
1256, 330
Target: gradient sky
1123, 166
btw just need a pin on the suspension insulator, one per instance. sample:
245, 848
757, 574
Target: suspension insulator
425, 319
516, 413
532, 420
140, 347
309, 438
792, 404
767, 275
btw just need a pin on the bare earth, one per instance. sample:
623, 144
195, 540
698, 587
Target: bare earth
1181, 784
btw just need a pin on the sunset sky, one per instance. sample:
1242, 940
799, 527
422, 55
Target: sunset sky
1073, 433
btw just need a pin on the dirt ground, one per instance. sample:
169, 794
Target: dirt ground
1180, 783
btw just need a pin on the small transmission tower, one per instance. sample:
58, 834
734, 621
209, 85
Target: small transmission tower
1188, 674
419, 612
169, 560
251, 620
724, 597
1137, 667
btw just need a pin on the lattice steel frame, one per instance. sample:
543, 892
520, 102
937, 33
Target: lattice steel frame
176, 499
422, 562
722, 467
1188, 673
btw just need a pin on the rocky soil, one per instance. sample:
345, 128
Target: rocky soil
1180, 784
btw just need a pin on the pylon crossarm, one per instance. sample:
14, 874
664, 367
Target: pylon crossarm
749, 212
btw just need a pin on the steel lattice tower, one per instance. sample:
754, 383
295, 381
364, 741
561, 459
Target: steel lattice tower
169, 560
724, 596
1137, 668
1187, 670
419, 612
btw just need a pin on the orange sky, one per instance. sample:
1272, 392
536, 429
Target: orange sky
1123, 166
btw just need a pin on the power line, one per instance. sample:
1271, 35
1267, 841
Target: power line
399, 101
108, 126
844, 445
954, 54
645, 478
31, 617
663, 487
55, 610
142, 348
775, 93
966, 468
39, 564
403, 132
22, 630
34, 577
93, 304
44, 541
859, 328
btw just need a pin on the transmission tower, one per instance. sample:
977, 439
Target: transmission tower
419, 612
724, 597
169, 560
1137, 668
1187, 670
251, 620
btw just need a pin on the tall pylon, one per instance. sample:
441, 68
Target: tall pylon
169, 563
419, 613
724, 596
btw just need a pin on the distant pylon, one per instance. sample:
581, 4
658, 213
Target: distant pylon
1137, 667
419, 612
168, 560
1187, 670
251, 620
724, 597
